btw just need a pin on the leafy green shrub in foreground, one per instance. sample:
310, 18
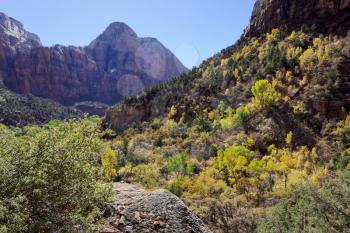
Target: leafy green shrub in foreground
314, 209
51, 178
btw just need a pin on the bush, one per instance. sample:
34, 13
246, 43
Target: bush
51, 178
147, 174
313, 209
264, 94
180, 165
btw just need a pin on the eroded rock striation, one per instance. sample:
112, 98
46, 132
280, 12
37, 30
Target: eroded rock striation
328, 16
116, 64
137, 211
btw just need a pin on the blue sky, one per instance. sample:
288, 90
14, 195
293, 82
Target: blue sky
193, 29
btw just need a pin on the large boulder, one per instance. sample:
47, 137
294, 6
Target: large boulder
137, 211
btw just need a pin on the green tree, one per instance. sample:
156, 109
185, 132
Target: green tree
180, 165
342, 133
147, 175
314, 208
241, 116
52, 178
289, 138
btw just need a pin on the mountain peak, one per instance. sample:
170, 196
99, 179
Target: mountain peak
118, 28
119, 48
13, 32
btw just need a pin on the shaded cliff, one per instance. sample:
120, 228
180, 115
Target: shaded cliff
327, 16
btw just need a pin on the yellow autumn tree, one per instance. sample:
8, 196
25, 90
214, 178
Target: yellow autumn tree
109, 161
264, 94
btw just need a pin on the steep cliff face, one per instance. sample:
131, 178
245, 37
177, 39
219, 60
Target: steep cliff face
13, 38
63, 74
116, 64
329, 16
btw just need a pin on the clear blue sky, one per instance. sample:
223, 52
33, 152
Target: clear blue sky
193, 29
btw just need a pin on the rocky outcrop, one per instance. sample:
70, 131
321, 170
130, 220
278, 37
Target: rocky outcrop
92, 108
116, 64
13, 34
329, 16
137, 211
124, 116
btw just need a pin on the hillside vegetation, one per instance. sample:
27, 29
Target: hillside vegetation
21, 110
241, 138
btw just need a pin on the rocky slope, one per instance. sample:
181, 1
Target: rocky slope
116, 64
329, 16
137, 211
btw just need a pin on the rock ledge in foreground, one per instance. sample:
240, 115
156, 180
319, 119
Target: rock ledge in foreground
137, 211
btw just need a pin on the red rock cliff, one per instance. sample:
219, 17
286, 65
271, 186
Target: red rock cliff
329, 16
116, 64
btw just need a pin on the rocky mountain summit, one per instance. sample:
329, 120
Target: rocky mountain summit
328, 16
119, 48
135, 62
13, 34
116, 64
138, 211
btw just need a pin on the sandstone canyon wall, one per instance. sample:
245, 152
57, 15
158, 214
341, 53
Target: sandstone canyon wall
116, 64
